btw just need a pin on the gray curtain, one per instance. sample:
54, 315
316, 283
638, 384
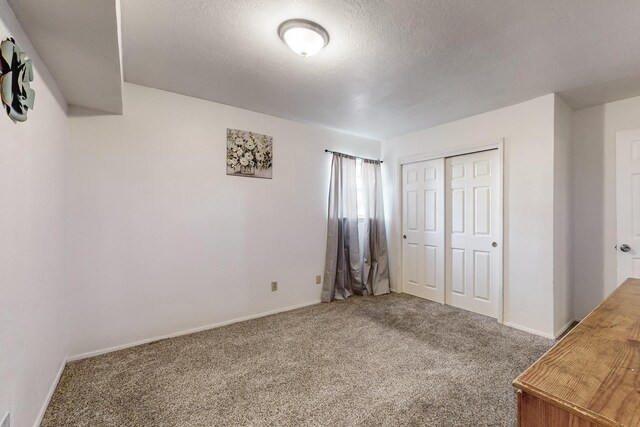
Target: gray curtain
376, 260
344, 267
342, 272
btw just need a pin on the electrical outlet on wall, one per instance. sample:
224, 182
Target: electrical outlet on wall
318, 279
274, 286
6, 422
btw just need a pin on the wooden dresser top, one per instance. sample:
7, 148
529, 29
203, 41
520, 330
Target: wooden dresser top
594, 371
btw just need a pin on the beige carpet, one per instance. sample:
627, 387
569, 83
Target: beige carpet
389, 360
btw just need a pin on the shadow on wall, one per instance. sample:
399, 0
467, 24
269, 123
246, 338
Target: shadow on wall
75, 111
589, 221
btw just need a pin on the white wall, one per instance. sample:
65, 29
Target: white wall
161, 240
33, 328
594, 150
562, 217
528, 131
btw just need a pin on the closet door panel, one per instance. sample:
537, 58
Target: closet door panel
473, 222
423, 228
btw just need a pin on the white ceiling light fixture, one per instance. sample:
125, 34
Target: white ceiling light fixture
304, 37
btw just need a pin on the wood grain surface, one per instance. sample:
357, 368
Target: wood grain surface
535, 412
594, 371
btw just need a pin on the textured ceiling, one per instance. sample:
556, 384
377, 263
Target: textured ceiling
392, 66
79, 42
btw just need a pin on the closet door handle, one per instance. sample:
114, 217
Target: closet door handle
404, 236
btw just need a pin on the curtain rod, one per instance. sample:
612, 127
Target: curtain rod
349, 155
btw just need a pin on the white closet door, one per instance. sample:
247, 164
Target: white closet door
473, 232
423, 228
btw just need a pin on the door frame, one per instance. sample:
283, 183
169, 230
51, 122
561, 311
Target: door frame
438, 154
621, 158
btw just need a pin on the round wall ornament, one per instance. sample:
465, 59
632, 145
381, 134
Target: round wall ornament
16, 75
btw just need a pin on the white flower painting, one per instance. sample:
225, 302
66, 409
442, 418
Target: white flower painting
249, 154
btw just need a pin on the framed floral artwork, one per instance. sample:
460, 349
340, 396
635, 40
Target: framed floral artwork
249, 154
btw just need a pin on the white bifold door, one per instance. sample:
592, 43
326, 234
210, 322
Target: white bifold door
452, 231
628, 204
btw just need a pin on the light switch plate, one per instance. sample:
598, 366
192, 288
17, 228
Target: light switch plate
6, 421
274, 286
318, 280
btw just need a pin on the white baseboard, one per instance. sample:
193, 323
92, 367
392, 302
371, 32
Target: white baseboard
217, 325
530, 330
52, 389
189, 331
564, 328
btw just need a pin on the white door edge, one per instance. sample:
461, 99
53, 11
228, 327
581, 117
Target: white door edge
626, 213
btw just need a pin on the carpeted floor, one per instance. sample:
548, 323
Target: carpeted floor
390, 360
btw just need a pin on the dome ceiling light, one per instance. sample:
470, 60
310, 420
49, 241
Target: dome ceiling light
304, 37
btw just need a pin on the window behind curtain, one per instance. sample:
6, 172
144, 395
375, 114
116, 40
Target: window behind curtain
359, 189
